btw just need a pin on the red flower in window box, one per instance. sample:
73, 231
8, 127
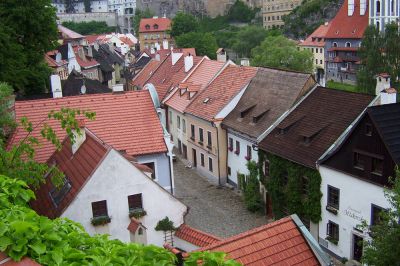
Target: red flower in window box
230, 148
247, 158
237, 152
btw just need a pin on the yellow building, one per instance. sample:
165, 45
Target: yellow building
153, 32
274, 10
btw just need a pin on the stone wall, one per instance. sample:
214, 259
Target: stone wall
109, 17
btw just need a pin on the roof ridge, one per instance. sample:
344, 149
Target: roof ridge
199, 231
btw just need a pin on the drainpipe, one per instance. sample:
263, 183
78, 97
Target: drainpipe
219, 168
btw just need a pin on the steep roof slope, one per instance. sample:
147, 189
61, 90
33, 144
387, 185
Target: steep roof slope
314, 125
270, 93
77, 167
277, 243
195, 236
126, 121
317, 38
386, 118
72, 85
344, 26
141, 78
220, 91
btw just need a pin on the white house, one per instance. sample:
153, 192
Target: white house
269, 95
107, 192
354, 173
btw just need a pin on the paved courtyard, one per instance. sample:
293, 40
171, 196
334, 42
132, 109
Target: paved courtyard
218, 211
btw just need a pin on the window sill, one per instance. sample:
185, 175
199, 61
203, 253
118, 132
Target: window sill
137, 213
359, 168
192, 138
100, 220
209, 147
331, 209
332, 240
237, 153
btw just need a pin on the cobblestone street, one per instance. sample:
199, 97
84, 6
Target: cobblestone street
218, 211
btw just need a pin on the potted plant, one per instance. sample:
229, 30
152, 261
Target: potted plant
332, 240
137, 213
100, 220
331, 209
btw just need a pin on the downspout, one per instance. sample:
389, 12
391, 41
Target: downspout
171, 173
219, 169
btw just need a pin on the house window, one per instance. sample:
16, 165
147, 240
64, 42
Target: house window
201, 139
333, 197
376, 214
335, 44
237, 151
332, 231
348, 44
229, 171
99, 208
57, 194
368, 129
184, 125
209, 139
202, 159
358, 161
178, 121
151, 165
377, 166
210, 164
192, 132
230, 144
135, 201
248, 156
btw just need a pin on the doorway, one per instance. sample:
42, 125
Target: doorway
357, 247
184, 150
194, 157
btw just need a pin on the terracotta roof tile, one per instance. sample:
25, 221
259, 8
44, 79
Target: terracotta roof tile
145, 74
162, 23
77, 168
220, 91
317, 38
348, 27
127, 121
194, 236
70, 34
322, 117
271, 244
133, 225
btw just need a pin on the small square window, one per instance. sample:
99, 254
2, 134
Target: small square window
99, 208
377, 166
202, 159
358, 161
368, 129
210, 164
376, 214
57, 194
333, 197
332, 231
135, 201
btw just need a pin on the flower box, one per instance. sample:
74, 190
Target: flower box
332, 240
230, 148
247, 158
137, 213
100, 220
237, 152
331, 209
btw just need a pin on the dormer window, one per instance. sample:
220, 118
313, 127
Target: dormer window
155, 26
259, 115
147, 26
58, 193
348, 44
368, 130
182, 91
206, 100
246, 110
335, 44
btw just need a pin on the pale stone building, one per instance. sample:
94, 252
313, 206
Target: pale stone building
274, 10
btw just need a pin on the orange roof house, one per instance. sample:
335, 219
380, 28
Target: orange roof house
153, 31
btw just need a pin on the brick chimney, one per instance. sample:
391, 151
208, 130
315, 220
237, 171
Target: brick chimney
188, 62
175, 56
165, 44
388, 96
382, 82
55, 82
79, 135
221, 55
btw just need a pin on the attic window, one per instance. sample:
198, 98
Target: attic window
258, 116
57, 194
311, 133
192, 94
246, 110
147, 26
206, 100
155, 26
182, 91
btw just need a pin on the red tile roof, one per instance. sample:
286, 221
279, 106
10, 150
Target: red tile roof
220, 91
92, 38
196, 237
162, 23
277, 243
348, 27
127, 41
69, 34
317, 38
78, 168
6, 261
126, 121
134, 225
141, 78
87, 62
314, 125
197, 80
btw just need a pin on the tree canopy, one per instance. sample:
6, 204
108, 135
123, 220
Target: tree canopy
379, 52
204, 43
90, 27
280, 52
383, 248
240, 12
183, 23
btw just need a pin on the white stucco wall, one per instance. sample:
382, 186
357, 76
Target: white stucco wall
237, 163
114, 180
162, 168
356, 197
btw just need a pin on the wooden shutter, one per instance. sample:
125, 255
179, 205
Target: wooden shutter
135, 201
99, 208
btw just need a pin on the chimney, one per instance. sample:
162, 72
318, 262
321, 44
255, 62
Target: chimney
388, 96
244, 62
90, 51
221, 55
152, 50
158, 57
382, 82
188, 62
58, 57
79, 135
118, 88
175, 56
96, 46
157, 46
55, 82
81, 53
165, 44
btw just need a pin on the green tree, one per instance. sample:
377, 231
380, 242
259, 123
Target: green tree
204, 43
384, 246
252, 194
391, 55
7, 123
139, 14
240, 12
248, 38
27, 31
90, 27
280, 52
183, 23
